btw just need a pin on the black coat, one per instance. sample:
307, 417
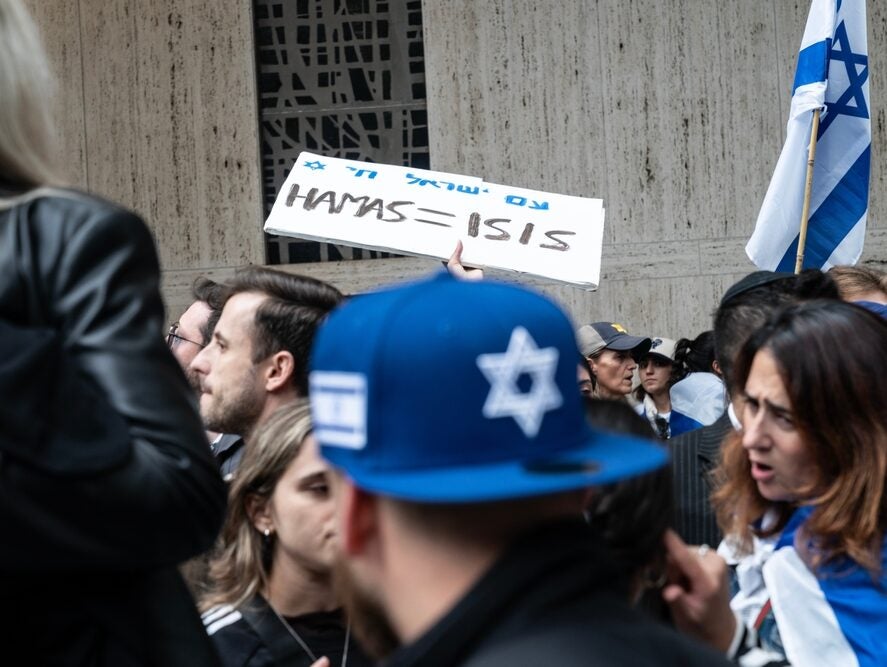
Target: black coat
254, 636
106, 478
554, 599
694, 456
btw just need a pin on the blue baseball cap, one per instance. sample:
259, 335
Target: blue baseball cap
447, 391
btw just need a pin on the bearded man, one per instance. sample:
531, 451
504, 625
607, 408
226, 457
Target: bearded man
257, 360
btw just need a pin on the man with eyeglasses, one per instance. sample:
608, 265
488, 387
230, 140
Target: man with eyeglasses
185, 340
194, 330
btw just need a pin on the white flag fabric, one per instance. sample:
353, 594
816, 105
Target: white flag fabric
832, 74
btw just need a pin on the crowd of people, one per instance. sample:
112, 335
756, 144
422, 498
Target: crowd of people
412, 476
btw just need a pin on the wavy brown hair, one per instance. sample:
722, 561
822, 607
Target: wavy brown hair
832, 358
241, 562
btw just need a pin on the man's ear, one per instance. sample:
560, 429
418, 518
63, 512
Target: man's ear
258, 510
279, 370
360, 520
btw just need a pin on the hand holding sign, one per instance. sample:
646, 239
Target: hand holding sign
424, 213
454, 266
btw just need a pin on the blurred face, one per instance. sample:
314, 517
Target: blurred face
655, 372
781, 463
185, 338
584, 380
232, 392
301, 513
613, 370
353, 588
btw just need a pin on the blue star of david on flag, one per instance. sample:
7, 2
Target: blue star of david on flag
832, 74
316, 165
844, 57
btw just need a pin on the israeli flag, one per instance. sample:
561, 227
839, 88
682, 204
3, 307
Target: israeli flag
832, 74
835, 615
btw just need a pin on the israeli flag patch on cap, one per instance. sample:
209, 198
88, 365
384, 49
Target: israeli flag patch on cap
339, 408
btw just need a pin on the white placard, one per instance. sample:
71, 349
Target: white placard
423, 213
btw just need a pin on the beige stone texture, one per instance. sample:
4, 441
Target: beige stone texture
673, 112
157, 110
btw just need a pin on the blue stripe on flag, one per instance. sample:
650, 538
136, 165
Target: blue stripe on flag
834, 218
812, 64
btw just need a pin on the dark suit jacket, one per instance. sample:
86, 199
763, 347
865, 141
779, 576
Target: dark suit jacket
693, 456
228, 452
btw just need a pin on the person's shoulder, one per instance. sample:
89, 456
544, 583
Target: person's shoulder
686, 443
218, 617
640, 642
69, 200
236, 642
596, 630
70, 216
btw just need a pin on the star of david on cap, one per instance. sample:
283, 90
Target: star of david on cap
445, 391
503, 371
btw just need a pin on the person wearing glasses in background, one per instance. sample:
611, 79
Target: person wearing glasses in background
193, 331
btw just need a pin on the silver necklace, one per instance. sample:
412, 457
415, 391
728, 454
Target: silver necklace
295, 635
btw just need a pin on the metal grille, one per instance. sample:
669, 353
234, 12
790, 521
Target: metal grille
343, 78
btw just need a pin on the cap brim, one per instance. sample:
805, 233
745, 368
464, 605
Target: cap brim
605, 458
626, 342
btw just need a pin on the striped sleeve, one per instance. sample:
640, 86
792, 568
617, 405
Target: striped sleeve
219, 617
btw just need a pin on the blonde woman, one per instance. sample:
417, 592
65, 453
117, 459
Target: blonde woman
107, 478
271, 600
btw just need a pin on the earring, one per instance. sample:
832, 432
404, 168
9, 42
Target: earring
267, 532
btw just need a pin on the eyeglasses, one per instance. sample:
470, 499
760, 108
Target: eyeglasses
172, 338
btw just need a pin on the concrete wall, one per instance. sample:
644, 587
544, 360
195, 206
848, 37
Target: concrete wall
672, 112
157, 110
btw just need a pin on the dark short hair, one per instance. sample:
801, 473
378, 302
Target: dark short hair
288, 319
741, 315
214, 295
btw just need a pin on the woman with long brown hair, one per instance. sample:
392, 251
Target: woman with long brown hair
801, 498
271, 600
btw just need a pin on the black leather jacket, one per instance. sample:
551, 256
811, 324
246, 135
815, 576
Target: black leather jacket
106, 478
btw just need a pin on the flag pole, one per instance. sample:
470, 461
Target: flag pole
808, 186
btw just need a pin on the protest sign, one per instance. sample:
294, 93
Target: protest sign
421, 212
